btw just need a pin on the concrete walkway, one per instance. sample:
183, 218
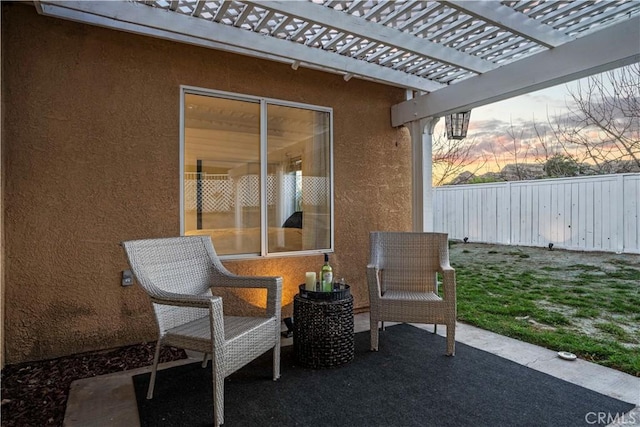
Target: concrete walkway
109, 400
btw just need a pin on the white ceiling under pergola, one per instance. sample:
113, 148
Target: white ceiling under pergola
451, 55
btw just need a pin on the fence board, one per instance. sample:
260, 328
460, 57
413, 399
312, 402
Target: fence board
596, 213
631, 220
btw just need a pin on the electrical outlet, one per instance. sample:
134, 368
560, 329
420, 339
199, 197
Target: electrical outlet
127, 278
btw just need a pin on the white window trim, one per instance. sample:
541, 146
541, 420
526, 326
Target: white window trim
194, 90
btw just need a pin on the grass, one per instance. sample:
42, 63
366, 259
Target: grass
591, 309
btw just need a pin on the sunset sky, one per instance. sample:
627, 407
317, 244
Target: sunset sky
498, 130
491, 126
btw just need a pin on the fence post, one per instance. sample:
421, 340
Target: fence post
619, 204
510, 229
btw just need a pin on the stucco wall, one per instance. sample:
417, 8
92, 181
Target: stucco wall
91, 144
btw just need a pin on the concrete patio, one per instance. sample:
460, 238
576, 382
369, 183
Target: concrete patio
109, 400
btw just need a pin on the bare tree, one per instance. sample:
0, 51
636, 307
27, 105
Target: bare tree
603, 121
453, 156
516, 155
547, 147
518, 150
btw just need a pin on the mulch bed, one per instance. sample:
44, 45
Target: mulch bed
35, 393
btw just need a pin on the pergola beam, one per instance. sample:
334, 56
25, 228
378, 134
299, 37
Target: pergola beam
604, 50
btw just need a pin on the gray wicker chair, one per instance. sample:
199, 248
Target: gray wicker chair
403, 282
178, 274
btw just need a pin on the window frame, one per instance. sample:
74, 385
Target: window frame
264, 229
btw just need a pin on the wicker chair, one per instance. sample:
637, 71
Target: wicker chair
403, 282
178, 274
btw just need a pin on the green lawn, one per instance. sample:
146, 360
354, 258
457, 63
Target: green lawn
584, 303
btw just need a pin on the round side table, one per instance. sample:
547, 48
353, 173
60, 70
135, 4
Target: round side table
323, 334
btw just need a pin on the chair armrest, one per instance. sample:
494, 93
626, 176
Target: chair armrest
233, 280
213, 303
183, 300
373, 280
273, 285
216, 320
448, 281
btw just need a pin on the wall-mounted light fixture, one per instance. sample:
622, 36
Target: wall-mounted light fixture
457, 124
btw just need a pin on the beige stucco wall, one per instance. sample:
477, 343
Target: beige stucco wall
91, 145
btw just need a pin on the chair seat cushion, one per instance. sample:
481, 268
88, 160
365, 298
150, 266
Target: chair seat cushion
410, 296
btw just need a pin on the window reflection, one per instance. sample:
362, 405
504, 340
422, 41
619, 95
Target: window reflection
298, 147
222, 175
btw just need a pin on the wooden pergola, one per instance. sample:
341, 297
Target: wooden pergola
450, 56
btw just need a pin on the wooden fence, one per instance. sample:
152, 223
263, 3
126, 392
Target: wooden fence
595, 213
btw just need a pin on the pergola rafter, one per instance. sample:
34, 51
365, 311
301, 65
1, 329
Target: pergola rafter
503, 17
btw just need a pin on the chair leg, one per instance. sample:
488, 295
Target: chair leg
205, 358
276, 360
152, 380
373, 327
435, 328
451, 339
218, 395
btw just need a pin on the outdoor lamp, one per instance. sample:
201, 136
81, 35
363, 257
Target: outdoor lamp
457, 124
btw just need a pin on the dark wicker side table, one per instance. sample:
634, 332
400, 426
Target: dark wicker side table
323, 335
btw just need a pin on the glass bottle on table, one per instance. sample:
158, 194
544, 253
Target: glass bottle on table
326, 275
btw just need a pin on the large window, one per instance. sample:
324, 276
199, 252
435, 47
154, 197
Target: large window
256, 173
